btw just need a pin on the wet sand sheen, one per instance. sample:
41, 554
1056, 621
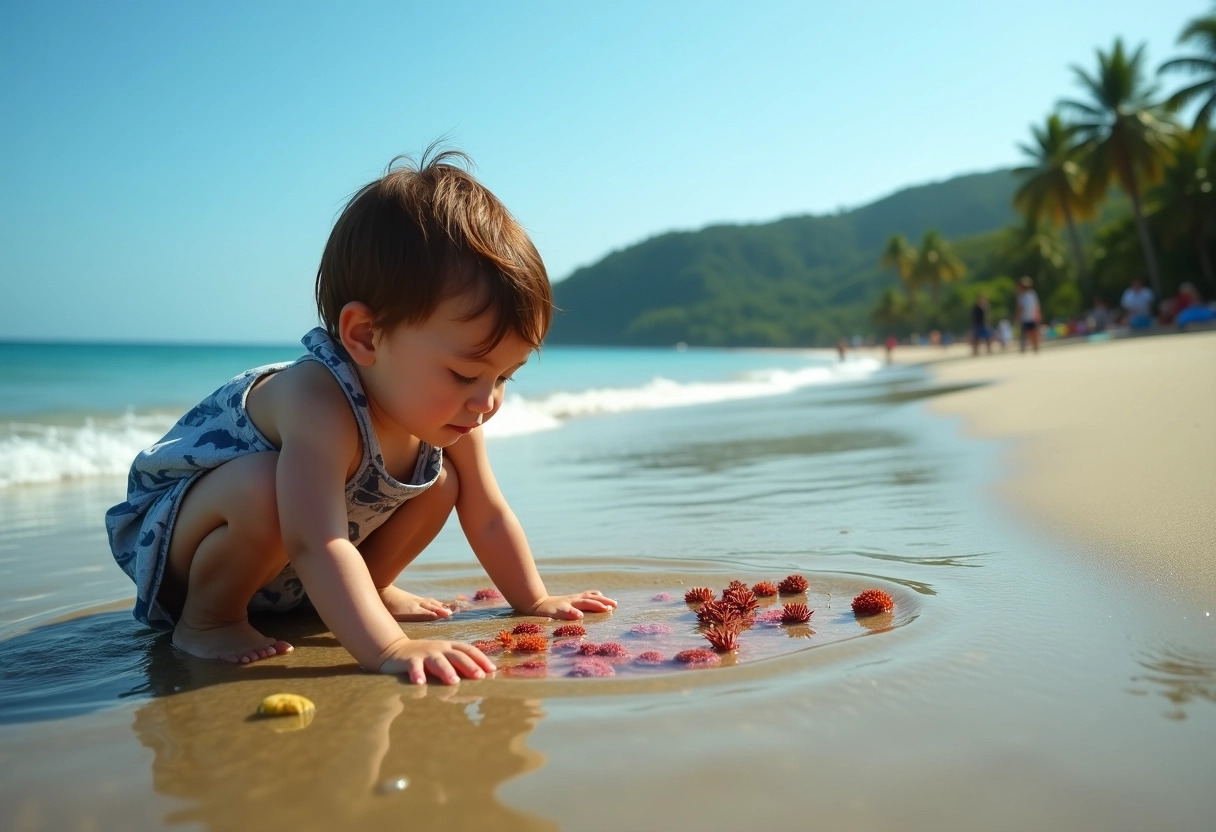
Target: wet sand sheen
1008, 700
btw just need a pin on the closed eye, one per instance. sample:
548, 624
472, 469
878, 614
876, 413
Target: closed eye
465, 380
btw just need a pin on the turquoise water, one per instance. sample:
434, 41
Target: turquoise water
72, 411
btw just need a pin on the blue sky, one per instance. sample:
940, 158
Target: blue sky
169, 171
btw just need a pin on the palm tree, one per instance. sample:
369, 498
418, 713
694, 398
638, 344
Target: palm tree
1123, 136
1054, 185
936, 263
898, 254
1202, 30
1184, 204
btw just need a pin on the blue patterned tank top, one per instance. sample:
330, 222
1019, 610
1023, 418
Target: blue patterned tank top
218, 430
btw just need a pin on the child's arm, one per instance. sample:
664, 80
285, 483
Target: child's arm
318, 440
498, 540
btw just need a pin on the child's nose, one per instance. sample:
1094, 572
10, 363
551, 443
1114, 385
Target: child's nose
482, 401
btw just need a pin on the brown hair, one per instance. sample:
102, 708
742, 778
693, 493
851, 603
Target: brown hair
424, 233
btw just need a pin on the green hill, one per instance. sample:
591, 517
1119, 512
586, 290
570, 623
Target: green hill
796, 281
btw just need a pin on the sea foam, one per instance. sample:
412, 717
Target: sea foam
33, 452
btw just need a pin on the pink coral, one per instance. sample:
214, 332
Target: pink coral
611, 649
649, 657
650, 630
592, 668
488, 646
792, 585
698, 656
570, 630
488, 594
770, 616
662, 596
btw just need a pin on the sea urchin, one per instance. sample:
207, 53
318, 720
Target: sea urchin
489, 594
872, 602
723, 639
764, 589
795, 614
792, 585
530, 643
699, 595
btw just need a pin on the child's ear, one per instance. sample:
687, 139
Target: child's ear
357, 331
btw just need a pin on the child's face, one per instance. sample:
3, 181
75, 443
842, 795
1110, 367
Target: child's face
427, 382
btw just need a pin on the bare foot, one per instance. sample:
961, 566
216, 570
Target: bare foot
238, 643
406, 606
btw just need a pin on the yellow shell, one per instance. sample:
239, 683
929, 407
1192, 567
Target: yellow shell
283, 704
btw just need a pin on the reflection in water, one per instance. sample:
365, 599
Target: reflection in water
710, 457
1180, 677
406, 756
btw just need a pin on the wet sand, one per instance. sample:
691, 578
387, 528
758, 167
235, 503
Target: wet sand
1114, 448
1023, 683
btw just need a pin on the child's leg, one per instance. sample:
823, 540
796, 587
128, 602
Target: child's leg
226, 545
393, 546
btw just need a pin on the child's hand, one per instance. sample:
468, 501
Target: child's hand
447, 661
572, 607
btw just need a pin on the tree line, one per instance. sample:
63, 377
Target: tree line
1114, 186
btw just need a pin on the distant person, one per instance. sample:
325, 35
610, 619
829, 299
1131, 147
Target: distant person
980, 333
1004, 333
1137, 303
1099, 317
1030, 314
1191, 309
891, 343
320, 480
842, 346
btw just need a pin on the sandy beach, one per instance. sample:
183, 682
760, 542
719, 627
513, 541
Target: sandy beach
1044, 535
1113, 446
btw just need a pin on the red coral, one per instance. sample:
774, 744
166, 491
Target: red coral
527, 628
764, 589
723, 639
530, 643
698, 656
792, 585
872, 602
740, 598
699, 595
649, 657
489, 594
504, 638
592, 668
570, 630
734, 585
488, 646
796, 614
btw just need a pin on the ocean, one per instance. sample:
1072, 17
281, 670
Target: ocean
1014, 686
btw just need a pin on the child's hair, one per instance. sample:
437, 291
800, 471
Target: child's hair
427, 232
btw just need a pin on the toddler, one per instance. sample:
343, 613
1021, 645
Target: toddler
322, 479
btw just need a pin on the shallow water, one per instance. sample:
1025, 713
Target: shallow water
1017, 687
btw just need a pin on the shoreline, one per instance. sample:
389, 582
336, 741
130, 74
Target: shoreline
1114, 447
